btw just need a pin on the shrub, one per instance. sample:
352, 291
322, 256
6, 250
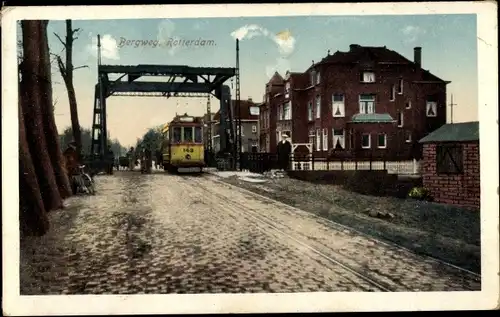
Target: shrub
420, 193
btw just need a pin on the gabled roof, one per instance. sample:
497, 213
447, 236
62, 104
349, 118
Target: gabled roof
245, 114
372, 118
454, 132
380, 54
277, 79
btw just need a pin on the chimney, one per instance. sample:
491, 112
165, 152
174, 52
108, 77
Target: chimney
249, 98
417, 55
353, 47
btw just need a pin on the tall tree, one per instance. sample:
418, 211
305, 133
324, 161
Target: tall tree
31, 101
49, 124
66, 69
32, 216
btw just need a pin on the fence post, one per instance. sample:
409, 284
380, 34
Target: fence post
327, 163
292, 161
341, 163
355, 164
371, 159
415, 167
312, 162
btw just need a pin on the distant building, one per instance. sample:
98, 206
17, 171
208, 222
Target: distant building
249, 127
450, 164
367, 102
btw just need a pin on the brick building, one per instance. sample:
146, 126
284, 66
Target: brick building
249, 126
367, 102
451, 164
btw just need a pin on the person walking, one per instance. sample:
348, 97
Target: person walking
111, 161
131, 159
284, 151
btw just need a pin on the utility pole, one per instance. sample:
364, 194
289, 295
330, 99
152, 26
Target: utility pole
451, 109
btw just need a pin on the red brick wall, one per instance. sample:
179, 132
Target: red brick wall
463, 189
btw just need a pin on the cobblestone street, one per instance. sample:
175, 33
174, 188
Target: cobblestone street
164, 233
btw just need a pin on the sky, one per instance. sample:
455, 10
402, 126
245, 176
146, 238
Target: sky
449, 50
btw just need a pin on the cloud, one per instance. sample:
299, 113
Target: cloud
284, 40
166, 29
412, 33
109, 47
281, 66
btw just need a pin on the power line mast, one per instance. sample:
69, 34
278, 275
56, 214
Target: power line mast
208, 122
238, 107
451, 109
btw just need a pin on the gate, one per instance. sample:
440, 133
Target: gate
258, 162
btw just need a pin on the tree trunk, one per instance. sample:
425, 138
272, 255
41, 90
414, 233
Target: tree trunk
68, 81
49, 124
32, 216
31, 108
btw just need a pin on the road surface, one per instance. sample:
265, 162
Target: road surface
163, 233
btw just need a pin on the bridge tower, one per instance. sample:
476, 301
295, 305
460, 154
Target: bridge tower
99, 143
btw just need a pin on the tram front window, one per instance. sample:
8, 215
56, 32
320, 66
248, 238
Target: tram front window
198, 138
188, 134
177, 135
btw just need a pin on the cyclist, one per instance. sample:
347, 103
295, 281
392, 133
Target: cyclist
72, 166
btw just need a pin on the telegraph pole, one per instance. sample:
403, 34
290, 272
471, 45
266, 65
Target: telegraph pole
451, 109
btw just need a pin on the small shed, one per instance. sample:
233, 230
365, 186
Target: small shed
450, 164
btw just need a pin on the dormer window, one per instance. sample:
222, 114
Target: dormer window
318, 78
287, 90
313, 77
367, 77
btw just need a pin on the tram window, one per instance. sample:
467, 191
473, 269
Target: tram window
197, 135
177, 134
188, 134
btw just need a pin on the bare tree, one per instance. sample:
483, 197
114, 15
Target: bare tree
66, 69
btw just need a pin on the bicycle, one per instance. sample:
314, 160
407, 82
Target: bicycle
84, 182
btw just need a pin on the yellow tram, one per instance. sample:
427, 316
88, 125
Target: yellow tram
182, 144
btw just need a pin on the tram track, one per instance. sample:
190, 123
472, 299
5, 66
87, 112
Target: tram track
384, 279
272, 228
338, 226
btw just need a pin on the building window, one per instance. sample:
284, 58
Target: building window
242, 130
287, 90
310, 111
287, 111
400, 86
318, 77
400, 119
311, 136
313, 77
366, 141
408, 104
318, 106
367, 77
449, 159
431, 109
254, 129
318, 140
408, 137
338, 139
325, 139
382, 141
338, 105
393, 92
366, 104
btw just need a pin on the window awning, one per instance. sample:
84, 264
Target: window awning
372, 118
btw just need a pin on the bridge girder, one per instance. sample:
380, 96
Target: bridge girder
198, 82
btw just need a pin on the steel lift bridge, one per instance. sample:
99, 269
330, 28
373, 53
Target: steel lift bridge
194, 82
